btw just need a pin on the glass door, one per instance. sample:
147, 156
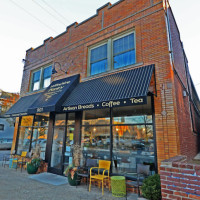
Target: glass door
69, 140
59, 130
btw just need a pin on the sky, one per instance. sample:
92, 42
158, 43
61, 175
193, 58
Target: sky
27, 23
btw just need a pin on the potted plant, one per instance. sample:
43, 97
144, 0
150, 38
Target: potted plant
32, 166
72, 169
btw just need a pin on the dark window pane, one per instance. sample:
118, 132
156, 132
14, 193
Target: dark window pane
140, 114
71, 119
96, 117
36, 76
47, 72
98, 67
123, 44
124, 59
41, 119
98, 60
60, 119
99, 53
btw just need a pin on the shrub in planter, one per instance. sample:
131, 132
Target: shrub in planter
31, 169
71, 173
32, 166
151, 188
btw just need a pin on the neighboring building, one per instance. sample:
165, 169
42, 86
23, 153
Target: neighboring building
127, 95
6, 124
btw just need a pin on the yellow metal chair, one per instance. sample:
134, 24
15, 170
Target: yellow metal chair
100, 175
21, 161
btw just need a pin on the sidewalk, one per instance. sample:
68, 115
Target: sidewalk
17, 185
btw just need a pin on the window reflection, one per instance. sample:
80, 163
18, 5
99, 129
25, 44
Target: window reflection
96, 117
95, 140
24, 139
37, 131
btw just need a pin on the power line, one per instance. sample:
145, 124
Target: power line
55, 11
33, 16
49, 13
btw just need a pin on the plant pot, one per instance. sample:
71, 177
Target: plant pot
31, 169
75, 181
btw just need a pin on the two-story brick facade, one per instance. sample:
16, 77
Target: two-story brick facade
134, 101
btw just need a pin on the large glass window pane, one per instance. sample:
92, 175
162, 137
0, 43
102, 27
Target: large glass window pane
71, 119
27, 121
124, 51
123, 44
95, 142
139, 114
47, 77
68, 159
98, 60
124, 59
60, 119
96, 117
39, 140
57, 146
24, 139
132, 145
41, 119
36, 80
47, 82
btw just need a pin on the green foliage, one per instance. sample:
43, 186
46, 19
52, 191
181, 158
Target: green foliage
68, 169
36, 162
151, 188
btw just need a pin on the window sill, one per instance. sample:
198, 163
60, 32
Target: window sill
112, 71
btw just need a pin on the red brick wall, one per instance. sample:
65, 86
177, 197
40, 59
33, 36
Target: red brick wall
147, 18
188, 140
180, 180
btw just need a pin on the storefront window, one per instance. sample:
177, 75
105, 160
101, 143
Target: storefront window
95, 140
132, 145
40, 131
60, 119
96, 117
24, 139
133, 139
25, 132
32, 133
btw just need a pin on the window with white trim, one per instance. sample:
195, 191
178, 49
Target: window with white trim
117, 52
41, 78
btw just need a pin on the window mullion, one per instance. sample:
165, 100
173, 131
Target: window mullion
109, 55
41, 78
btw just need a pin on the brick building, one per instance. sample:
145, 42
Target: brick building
127, 95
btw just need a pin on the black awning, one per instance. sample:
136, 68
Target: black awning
20, 108
120, 89
54, 96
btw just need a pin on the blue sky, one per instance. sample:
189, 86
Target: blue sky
25, 24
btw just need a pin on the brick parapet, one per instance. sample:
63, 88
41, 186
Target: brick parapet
180, 179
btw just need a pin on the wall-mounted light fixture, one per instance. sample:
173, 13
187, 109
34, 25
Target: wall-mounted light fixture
54, 71
25, 61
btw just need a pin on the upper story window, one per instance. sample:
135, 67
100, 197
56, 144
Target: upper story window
117, 52
41, 78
